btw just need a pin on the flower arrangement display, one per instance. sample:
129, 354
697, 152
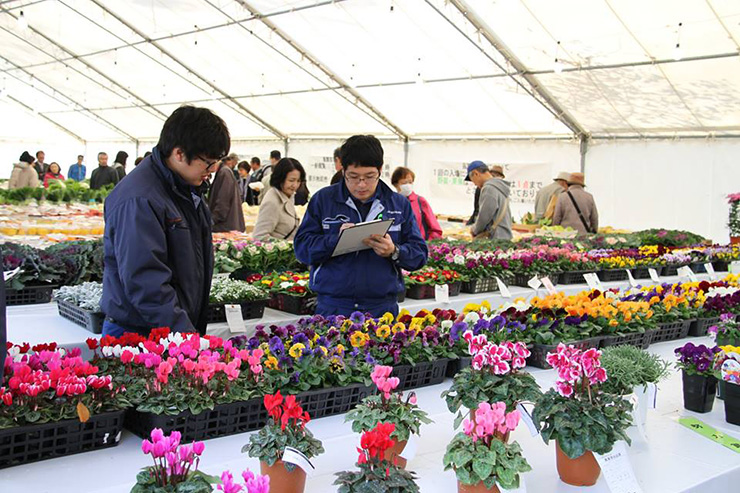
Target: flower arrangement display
377, 474
669, 303
469, 264
431, 277
168, 373
479, 456
231, 291
286, 427
727, 330
389, 407
733, 222
289, 283
579, 416
51, 384
494, 376
86, 295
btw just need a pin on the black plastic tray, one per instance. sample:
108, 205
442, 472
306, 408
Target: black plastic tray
699, 327
421, 374
456, 365
92, 321
476, 286
612, 275
250, 310
570, 278
332, 401
426, 291
641, 340
33, 443
30, 295
671, 331
297, 305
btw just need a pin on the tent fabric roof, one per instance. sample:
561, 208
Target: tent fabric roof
108, 70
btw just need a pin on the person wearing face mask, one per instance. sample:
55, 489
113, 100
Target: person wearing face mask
403, 180
277, 217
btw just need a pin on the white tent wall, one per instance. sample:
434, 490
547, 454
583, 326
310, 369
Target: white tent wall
525, 162
665, 183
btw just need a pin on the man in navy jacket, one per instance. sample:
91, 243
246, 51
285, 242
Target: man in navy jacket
368, 280
158, 251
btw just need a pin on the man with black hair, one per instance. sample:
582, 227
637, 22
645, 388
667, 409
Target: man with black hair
337, 166
103, 175
158, 259
368, 280
40, 166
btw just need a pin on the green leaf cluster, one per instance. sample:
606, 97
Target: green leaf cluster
629, 367
374, 409
368, 479
269, 444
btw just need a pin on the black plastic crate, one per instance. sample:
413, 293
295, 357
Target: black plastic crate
522, 280
330, 402
250, 310
297, 305
721, 266
637, 339
33, 443
426, 291
698, 268
455, 366
699, 327
476, 286
671, 270
643, 272
538, 356
30, 295
671, 331
612, 275
92, 321
223, 420
421, 374
570, 278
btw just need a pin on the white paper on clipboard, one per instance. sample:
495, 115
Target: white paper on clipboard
350, 239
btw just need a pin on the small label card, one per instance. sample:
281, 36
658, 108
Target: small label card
527, 418
534, 283
503, 288
234, 318
710, 271
654, 276
549, 285
631, 279
296, 457
442, 293
652, 397
618, 472
735, 267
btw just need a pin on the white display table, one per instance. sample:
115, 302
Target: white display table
673, 459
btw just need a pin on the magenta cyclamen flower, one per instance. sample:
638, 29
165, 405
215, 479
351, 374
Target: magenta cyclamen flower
380, 377
576, 368
500, 358
490, 420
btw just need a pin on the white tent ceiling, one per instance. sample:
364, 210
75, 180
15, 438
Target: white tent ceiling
112, 70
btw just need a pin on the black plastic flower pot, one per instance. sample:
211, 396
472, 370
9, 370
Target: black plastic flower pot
698, 392
720, 266
250, 310
732, 403
427, 291
721, 390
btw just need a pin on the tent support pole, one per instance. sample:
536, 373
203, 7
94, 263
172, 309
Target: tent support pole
584, 150
406, 153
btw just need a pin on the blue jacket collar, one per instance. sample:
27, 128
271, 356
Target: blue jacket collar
172, 179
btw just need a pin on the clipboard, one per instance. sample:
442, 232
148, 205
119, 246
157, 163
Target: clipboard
350, 239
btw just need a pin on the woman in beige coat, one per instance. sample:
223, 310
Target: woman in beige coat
24, 175
277, 217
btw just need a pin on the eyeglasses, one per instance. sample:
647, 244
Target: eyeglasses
356, 180
209, 164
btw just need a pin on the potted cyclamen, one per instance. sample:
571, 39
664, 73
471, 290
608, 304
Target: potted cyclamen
699, 382
377, 474
482, 461
389, 407
632, 370
579, 416
175, 470
494, 376
285, 428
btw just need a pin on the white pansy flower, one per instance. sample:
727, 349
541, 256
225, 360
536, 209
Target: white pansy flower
472, 318
302, 282
446, 325
459, 260
285, 284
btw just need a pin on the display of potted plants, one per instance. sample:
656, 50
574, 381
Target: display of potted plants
494, 376
286, 427
699, 381
377, 474
389, 407
420, 285
728, 365
630, 371
289, 292
579, 416
81, 305
733, 222
481, 459
251, 298
726, 332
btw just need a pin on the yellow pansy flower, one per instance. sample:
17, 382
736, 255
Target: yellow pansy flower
296, 350
383, 331
271, 363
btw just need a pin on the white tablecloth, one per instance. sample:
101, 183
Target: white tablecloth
673, 459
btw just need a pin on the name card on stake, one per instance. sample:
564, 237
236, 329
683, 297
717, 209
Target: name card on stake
534, 283
618, 472
710, 271
549, 285
234, 318
631, 278
654, 276
442, 293
503, 288
296, 457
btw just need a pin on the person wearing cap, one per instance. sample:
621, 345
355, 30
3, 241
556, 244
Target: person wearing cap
494, 216
576, 207
24, 175
547, 197
224, 199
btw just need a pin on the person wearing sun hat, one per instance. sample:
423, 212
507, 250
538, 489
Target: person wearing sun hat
494, 216
576, 207
547, 197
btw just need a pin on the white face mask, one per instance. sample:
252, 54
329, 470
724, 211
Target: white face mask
407, 189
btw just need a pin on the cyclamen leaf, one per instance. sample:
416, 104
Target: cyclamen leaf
482, 468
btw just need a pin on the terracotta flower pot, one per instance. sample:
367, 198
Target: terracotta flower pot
394, 453
734, 240
282, 481
476, 488
582, 471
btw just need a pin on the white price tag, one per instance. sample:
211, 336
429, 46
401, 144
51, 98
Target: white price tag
534, 283
592, 283
710, 270
10, 274
618, 472
503, 288
234, 318
409, 452
735, 267
652, 397
296, 457
527, 418
549, 285
442, 293
685, 272
631, 278
654, 275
